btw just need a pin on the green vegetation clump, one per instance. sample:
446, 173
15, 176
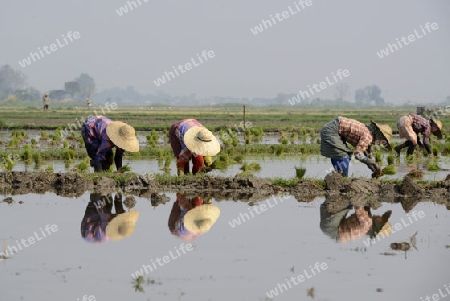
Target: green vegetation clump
27, 154
433, 166
37, 158
390, 159
254, 166
8, 164
389, 170
378, 157
300, 172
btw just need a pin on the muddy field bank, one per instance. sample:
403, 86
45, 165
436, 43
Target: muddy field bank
252, 189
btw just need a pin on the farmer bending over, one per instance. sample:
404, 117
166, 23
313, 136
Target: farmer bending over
101, 135
409, 126
337, 133
191, 141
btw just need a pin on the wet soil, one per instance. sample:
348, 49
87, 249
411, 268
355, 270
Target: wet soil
409, 193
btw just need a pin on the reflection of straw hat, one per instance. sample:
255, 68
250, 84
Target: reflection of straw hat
385, 231
381, 227
439, 126
122, 225
386, 130
123, 135
201, 141
200, 219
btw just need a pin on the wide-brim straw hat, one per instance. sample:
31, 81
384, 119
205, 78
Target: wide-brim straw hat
122, 225
201, 219
123, 136
385, 231
386, 130
439, 125
201, 141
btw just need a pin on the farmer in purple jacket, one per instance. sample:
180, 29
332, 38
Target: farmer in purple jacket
101, 135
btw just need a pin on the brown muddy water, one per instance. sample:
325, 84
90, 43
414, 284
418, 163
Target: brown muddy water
284, 241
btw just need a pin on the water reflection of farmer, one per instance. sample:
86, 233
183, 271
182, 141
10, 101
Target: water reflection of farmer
191, 216
335, 223
101, 135
99, 224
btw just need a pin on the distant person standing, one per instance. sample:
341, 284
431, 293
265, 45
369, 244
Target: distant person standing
46, 101
88, 102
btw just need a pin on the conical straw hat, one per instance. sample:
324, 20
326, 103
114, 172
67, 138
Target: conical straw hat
201, 219
122, 225
201, 141
123, 135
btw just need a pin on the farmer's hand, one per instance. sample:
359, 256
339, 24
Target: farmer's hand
98, 166
207, 160
373, 166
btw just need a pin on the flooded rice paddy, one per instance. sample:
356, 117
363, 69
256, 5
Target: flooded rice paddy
271, 250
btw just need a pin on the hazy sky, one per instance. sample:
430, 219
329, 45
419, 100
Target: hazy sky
138, 47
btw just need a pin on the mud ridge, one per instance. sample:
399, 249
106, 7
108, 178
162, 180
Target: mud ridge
409, 193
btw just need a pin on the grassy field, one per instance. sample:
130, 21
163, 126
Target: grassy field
268, 119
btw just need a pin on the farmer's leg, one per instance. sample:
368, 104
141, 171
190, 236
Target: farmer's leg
341, 165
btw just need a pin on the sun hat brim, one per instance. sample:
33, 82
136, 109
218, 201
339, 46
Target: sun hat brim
439, 126
199, 147
122, 225
386, 130
201, 219
130, 144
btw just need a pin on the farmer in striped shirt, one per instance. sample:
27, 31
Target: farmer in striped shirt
410, 126
336, 134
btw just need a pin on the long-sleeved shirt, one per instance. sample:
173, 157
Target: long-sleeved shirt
182, 128
421, 125
96, 127
355, 133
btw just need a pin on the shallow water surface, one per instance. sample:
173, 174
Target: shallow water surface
230, 262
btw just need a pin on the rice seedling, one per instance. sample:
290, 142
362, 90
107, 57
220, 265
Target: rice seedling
435, 151
37, 158
44, 135
378, 157
254, 166
390, 159
389, 170
49, 168
33, 143
66, 144
433, 166
167, 163
27, 153
8, 164
69, 154
14, 143
300, 172
279, 150
238, 158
